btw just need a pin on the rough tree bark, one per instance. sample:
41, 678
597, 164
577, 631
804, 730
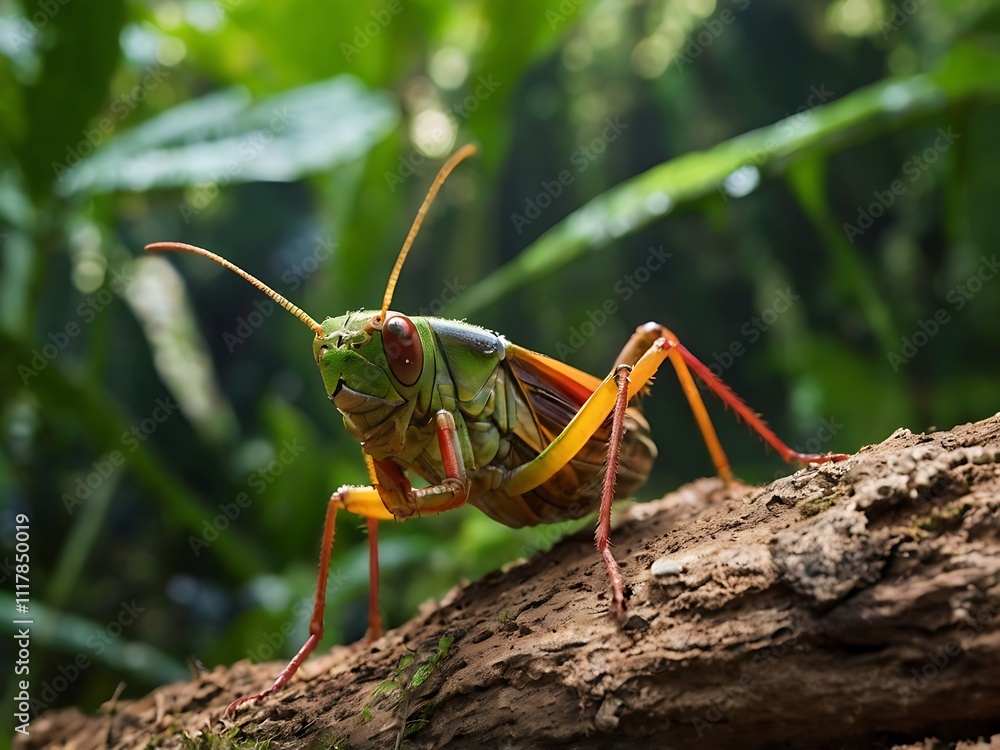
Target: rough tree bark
853, 604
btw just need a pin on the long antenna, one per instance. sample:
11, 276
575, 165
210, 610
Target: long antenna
449, 165
182, 247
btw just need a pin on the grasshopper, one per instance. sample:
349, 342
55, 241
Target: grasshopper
523, 437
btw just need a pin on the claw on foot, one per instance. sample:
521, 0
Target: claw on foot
239, 702
822, 458
619, 610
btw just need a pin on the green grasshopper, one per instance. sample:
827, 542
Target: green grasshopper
524, 438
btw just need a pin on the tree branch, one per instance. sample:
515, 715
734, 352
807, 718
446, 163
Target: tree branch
846, 604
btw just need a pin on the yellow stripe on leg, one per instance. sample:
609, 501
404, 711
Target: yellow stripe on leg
567, 444
701, 415
582, 427
363, 501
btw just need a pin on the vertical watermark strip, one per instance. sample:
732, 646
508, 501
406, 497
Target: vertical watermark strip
22, 623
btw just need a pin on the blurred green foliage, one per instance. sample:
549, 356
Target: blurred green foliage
822, 175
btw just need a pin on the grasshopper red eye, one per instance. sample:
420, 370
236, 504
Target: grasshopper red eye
403, 349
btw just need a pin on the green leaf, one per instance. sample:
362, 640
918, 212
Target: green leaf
415, 725
226, 138
648, 197
444, 646
423, 672
385, 688
98, 642
969, 65
404, 661
95, 409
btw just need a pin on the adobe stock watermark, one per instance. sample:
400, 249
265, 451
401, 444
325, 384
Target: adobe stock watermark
580, 159
23, 620
708, 33
120, 109
26, 30
623, 288
302, 270
248, 149
258, 481
263, 309
565, 10
363, 34
86, 312
944, 656
110, 462
738, 691
275, 640
744, 179
958, 297
96, 644
913, 168
901, 14
751, 332
451, 290
407, 165
828, 429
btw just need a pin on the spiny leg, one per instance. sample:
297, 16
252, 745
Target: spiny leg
396, 493
364, 501
684, 362
602, 536
610, 398
370, 502
454, 490
610, 393
391, 487
644, 340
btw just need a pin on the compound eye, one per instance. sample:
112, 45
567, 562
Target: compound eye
403, 349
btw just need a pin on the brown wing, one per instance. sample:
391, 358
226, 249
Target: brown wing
543, 395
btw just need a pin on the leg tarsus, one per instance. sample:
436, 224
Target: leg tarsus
367, 502
602, 536
684, 362
287, 673
818, 458
319, 604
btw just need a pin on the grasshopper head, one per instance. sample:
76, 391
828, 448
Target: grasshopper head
372, 374
351, 357
372, 361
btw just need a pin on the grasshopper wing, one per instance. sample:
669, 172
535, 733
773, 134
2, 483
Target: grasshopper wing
546, 395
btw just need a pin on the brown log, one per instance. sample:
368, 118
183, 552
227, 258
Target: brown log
852, 604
